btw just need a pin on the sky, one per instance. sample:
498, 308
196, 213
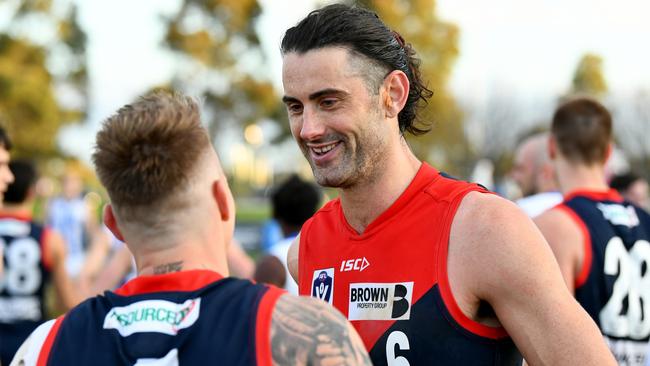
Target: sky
524, 49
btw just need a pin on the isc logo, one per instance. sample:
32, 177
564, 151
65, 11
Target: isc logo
358, 264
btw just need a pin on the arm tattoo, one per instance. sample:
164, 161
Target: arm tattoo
308, 331
168, 267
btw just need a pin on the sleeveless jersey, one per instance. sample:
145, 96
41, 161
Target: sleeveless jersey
22, 286
614, 283
185, 318
391, 281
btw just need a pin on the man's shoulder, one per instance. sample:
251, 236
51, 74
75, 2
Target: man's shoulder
30, 350
488, 209
305, 330
328, 213
329, 207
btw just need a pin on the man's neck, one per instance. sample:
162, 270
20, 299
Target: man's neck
182, 257
574, 177
364, 202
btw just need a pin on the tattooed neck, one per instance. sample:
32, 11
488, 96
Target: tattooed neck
168, 267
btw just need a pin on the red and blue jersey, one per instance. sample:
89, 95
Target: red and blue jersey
614, 281
22, 285
185, 318
391, 281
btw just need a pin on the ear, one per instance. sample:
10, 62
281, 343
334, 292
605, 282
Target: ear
111, 222
220, 193
610, 150
396, 92
552, 148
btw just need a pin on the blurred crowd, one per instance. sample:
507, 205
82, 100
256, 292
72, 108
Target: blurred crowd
95, 260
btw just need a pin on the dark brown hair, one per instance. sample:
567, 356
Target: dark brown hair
148, 150
364, 34
583, 130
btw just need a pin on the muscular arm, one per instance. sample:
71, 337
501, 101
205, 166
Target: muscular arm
68, 296
566, 241
498, 256
292, 258
306, 331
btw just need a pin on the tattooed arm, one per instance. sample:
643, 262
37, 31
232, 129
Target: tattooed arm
307, 331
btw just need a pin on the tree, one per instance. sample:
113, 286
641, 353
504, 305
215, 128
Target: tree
588, 78
436, 43
42, 79
221, 60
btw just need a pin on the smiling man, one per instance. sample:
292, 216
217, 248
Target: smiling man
429, 270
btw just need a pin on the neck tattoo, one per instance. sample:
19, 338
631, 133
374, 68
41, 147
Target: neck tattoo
168, 267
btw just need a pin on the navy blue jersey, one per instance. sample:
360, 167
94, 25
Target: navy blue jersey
185, 318
614, 282
23, 282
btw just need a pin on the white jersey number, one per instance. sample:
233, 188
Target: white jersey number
633, 282
22, 275
397, 338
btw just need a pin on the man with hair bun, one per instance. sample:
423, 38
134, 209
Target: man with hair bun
600, 240
429, 270
171, 205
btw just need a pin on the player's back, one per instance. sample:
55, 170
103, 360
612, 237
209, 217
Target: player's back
22, 285
191, 317
614, 283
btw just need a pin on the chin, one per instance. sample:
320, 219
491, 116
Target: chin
331, 180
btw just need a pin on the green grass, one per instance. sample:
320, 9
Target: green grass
252, 211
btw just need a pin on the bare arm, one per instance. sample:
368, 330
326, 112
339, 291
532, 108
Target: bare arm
292, 258
307, 331
68, 296
118, 266
497, 255
566, 241
239, 262
97, 253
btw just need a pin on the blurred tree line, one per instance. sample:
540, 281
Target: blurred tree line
43, 78
221, 60
218, 56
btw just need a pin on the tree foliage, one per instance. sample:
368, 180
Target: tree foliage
42, 79
588, 78
436, 44
220, 59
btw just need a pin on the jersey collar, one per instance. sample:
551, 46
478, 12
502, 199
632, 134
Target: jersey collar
423, 177
21, 216
178, 281
596, 195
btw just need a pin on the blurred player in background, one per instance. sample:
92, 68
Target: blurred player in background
600, 241
33, 255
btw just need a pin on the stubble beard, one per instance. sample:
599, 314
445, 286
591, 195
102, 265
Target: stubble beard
359, 166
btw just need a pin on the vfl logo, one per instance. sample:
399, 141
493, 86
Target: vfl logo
380, 301
358, 264
323, 284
